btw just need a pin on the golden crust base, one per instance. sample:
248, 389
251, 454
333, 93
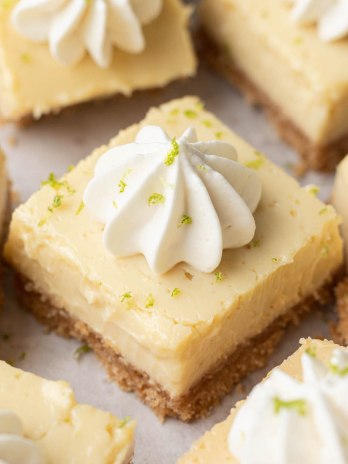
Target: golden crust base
341, 329
319, 157
210, 390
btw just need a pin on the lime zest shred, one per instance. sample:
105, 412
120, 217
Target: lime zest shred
155, 199
185, 220
122, 186
126, 297
80, 208
299, 406
219, 277
190, 114
173, 152
340, 371
150, 301
81, 350
175, 292
124, 422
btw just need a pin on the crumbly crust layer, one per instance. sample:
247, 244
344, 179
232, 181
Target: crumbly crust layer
3, 231
341, 329
318, 157
206, 394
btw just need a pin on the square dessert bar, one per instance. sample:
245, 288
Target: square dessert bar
182, 339
213, 446
301, 81
33, 82
61, 430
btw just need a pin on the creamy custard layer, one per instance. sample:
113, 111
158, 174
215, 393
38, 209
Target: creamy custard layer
32, 82
340, 199
67, 432
213, 447
296, 249
306, 78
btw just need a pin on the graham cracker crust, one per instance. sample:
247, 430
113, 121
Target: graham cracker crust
318, 157
341, 329
209, 391
3, 232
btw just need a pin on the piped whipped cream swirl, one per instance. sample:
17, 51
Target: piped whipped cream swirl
285, 421
173, 200
331, 17
74, 27
14, 448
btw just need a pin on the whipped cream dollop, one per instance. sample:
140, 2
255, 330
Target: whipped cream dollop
14, 448
285, 421
173, 200
74, 27
331, 17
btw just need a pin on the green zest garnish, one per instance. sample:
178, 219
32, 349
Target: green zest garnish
207, 123
125, 297
56, 203
340, 371
191, 114
275, 260
80, 208
150, 301
219, 135
155, 199
323, 211
173, 153
185, 220
42, 222
299, 406
202, 167
255, 164
83, 349
175, 292
122, 185
57, 185
311, 351
219, 277
313, 189
124, 422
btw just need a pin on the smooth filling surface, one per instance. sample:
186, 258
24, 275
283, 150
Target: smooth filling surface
32, 82
306, 78
184, 333
51, 416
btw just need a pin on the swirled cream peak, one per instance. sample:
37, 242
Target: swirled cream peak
173, 200
14, 448
74, 27
285, 421
331, 17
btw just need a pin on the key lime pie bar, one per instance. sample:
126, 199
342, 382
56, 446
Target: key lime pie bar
55, 53
289, 57
41, 423
340, 201
126, 253
4, 208
298, 414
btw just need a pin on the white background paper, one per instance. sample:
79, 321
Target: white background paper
53, 144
